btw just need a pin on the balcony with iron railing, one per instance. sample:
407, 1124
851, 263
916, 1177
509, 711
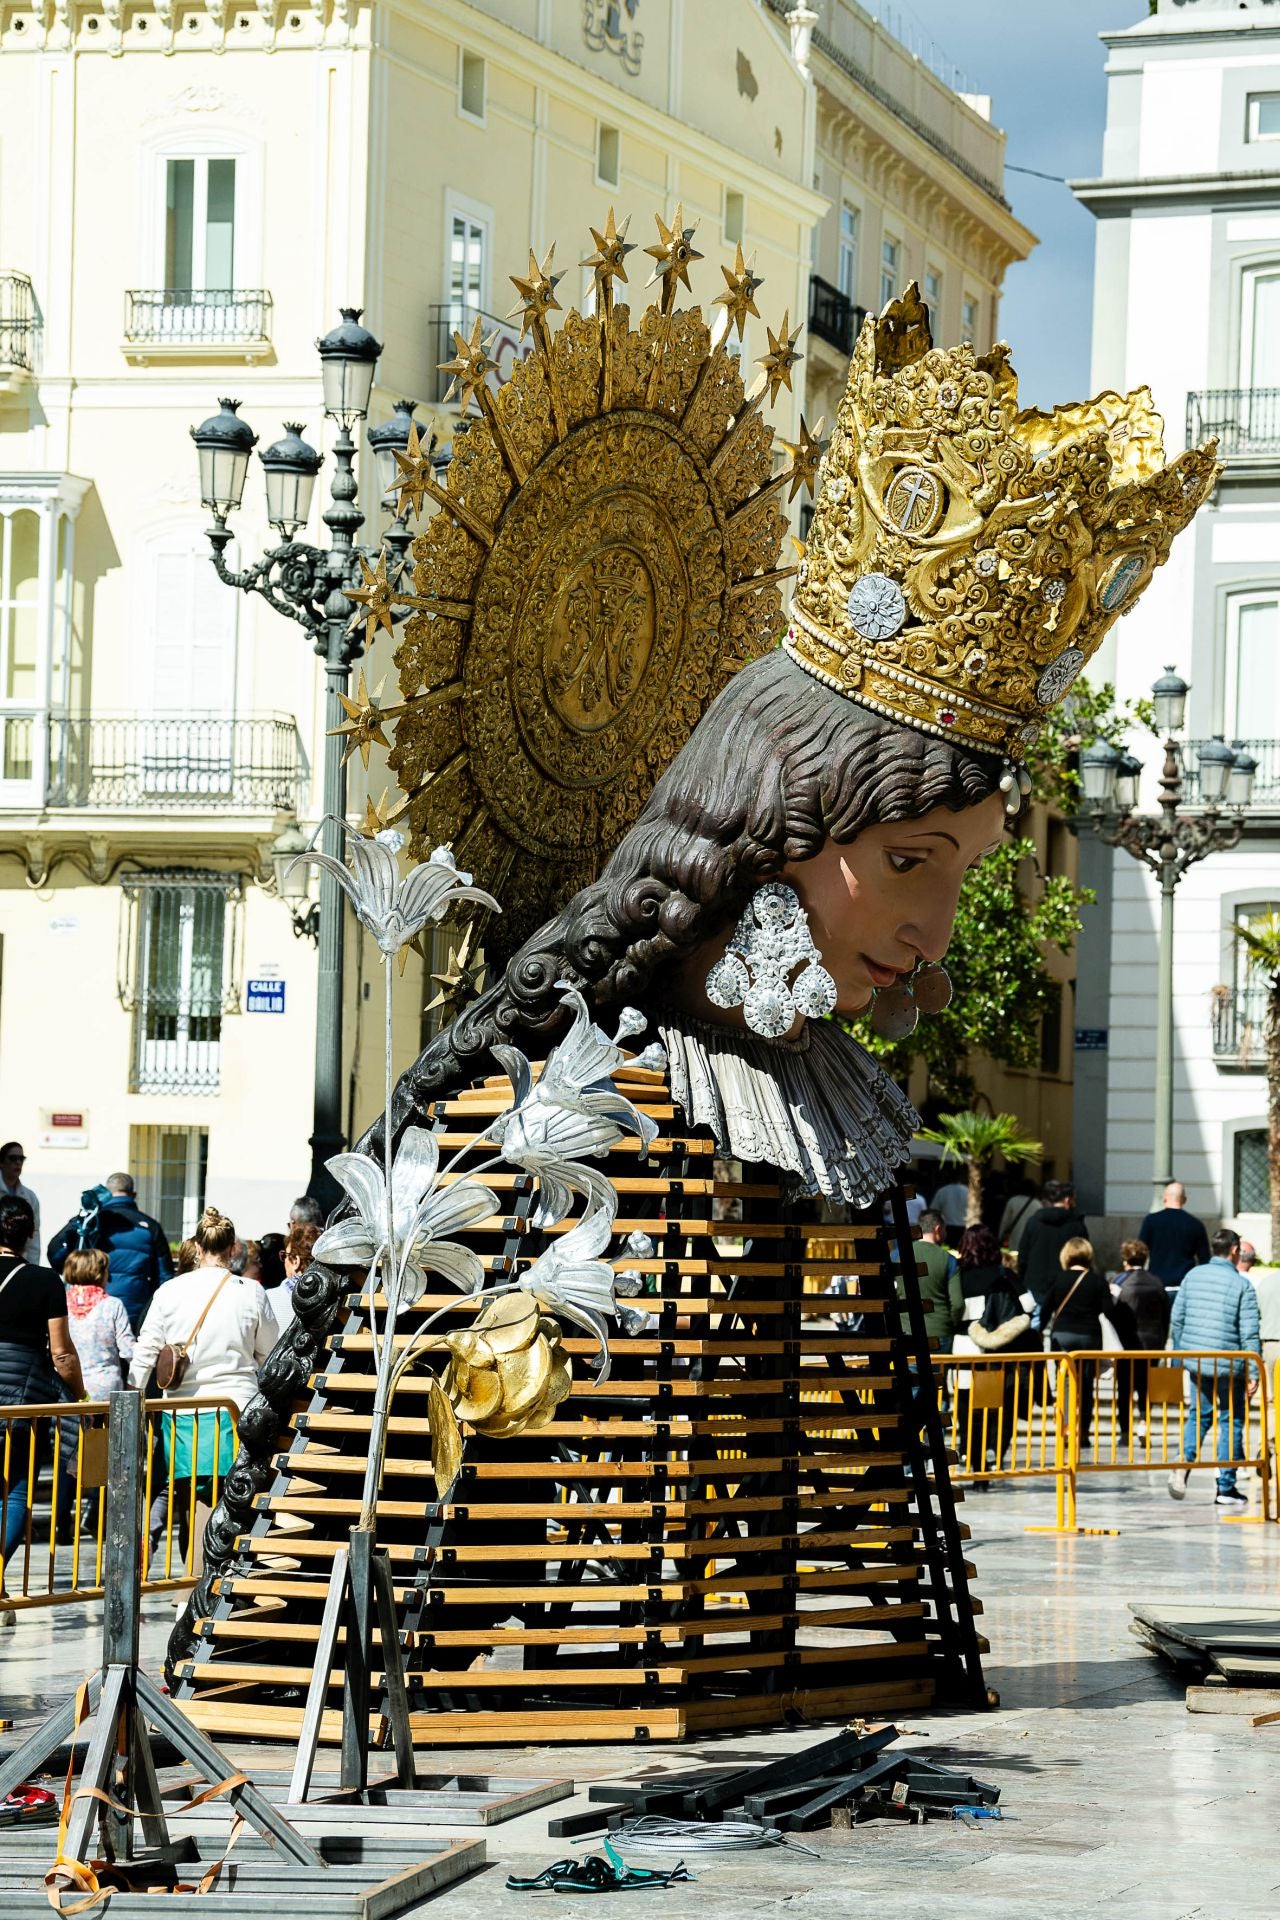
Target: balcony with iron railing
197, 323
188, 763
19, 330
1266, 783
1238, 1018
833, 316
1245, 421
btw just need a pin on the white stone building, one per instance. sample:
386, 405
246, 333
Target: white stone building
1187, 299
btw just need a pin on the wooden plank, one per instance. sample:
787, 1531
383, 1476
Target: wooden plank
1233, 1700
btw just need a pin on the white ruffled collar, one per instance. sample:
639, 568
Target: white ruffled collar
818, 1107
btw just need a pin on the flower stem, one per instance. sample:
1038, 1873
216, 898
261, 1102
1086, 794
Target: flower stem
392, 1268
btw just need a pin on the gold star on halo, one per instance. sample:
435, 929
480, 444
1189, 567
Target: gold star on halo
537, 291
470, 366
363, 724
806, 457
739, 296
463, 976
376, 819
374, 600
415, 470
608, 260
674, 254
782, 359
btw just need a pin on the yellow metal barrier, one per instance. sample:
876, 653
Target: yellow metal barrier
1072, 1415
54, 1557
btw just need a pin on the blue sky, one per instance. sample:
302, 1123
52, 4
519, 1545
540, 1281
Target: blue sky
1043, 65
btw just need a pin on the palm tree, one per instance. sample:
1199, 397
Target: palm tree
976, 1138
1261, 940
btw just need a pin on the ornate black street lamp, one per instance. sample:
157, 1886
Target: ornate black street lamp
1168, 843
319, 587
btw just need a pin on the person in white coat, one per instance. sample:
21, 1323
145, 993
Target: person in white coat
224, 1323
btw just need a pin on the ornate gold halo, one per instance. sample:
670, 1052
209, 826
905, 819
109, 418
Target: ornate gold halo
604, 558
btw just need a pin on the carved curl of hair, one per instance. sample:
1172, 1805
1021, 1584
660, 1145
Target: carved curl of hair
778, 765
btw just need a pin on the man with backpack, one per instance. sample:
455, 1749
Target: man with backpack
136, 1246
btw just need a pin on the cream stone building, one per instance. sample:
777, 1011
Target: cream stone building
190, 193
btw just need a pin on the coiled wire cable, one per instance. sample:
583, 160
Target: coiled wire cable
654, 1834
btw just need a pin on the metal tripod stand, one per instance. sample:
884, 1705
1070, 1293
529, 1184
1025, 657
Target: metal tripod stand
118, 1784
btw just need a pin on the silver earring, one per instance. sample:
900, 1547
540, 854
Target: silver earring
770, 941
897, 1009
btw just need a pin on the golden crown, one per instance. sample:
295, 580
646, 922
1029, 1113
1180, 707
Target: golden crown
966, 559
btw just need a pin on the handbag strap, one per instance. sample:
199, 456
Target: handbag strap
186, 1345
1054, 1317
8, 1277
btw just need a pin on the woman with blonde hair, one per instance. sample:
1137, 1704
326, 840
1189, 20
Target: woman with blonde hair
1071, 1315
211, 1329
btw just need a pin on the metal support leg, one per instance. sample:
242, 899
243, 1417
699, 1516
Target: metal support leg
393, 1669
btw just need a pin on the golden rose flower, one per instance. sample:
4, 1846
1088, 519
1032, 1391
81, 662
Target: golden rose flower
509, 1371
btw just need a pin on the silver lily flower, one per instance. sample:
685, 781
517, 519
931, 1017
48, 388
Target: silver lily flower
422, 1218
572, 1283
573, 1111
394, 907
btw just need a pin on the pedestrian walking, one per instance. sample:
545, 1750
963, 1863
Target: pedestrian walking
136, 1246
938, 1278
1072, 1313
1176, 1241
1019, 1208
1045, 1235
271, 1260
952, 1202
38, 1364
1141, 1316
222, 1326
298, 1243
1216, 1311
997, 1319
12, 1161
104, 1343
1265, 1282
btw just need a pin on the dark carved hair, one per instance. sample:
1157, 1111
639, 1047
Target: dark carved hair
778, 765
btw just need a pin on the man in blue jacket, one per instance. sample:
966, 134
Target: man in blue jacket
1216, 1311
136, 1246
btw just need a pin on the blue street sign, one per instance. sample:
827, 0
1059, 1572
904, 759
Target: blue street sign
264, 996
1091, 1039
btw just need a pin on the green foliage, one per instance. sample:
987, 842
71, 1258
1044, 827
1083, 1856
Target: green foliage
1261, 939
996, 962
978, 1137
1088, 714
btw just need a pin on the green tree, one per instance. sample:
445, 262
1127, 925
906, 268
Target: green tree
1262, 941
1001, 985
976, 1139
1087, 714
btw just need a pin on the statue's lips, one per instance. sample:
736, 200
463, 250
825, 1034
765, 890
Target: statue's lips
882, 976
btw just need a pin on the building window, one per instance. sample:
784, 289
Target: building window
1259, 341
471, 86
735, 216
1252, 1185
1253, 664
19, 643
1264, 116
200, 225
890, 259
969, 319
608, 156
180, 952
468, 249
933, 293
169, 1165
847, 261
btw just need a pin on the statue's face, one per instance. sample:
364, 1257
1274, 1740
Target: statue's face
888, 899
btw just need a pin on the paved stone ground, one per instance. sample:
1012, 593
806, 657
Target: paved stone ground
1113, 1793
